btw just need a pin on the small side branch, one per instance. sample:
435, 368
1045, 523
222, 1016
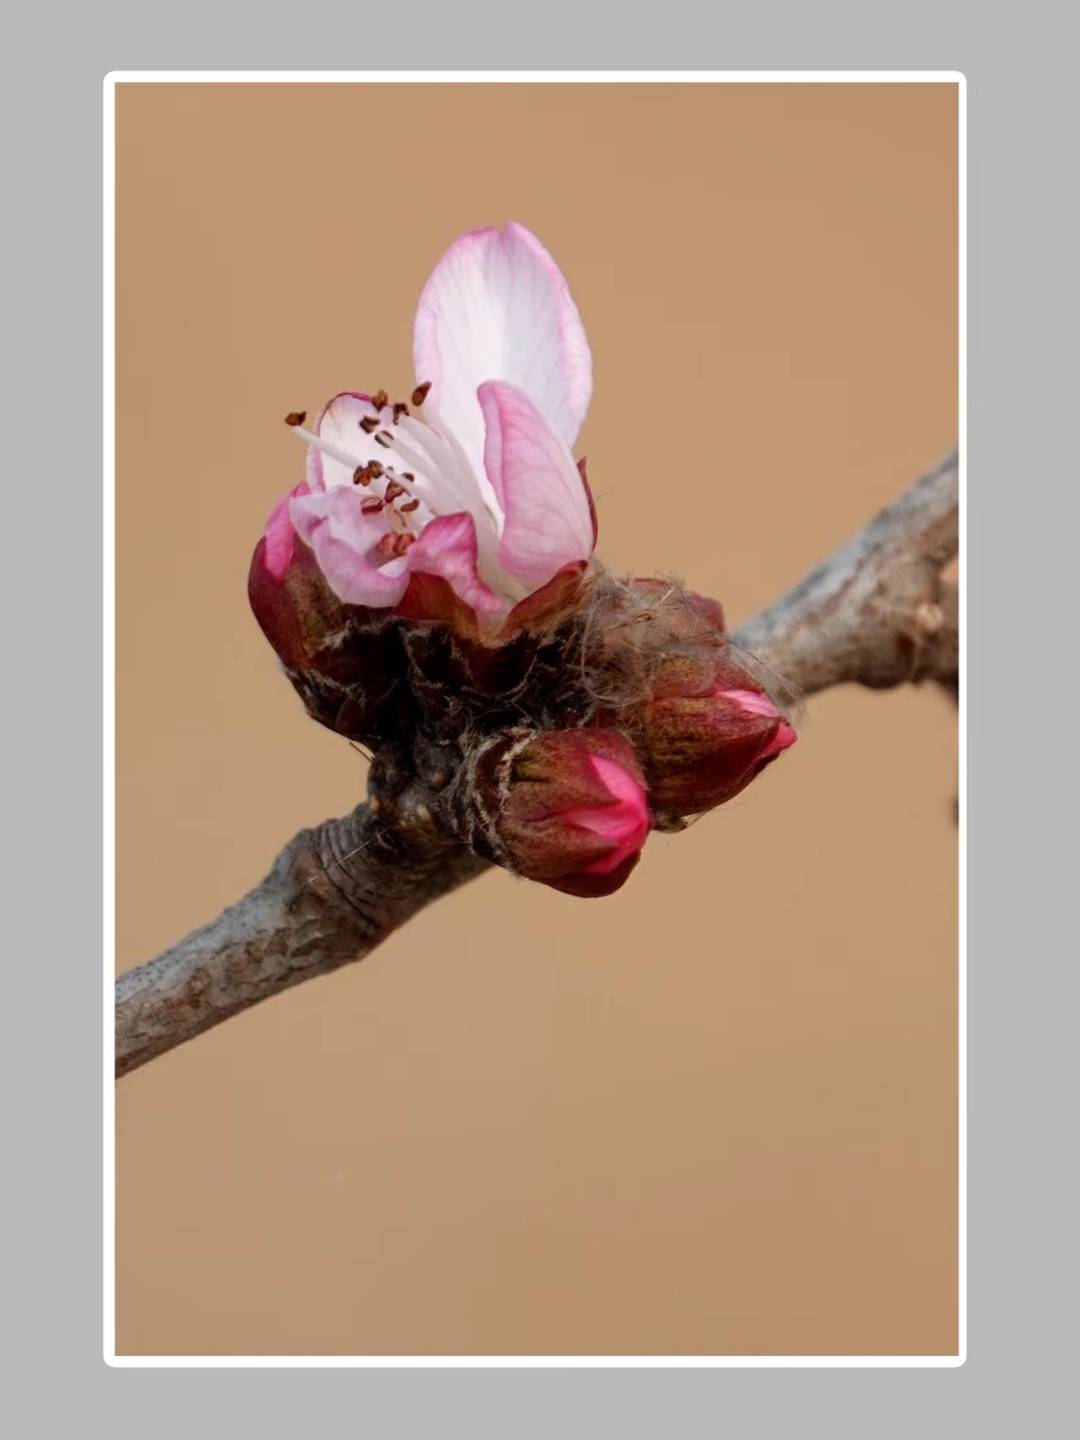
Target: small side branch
879, 612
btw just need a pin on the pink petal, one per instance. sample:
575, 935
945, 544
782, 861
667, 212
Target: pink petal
538, 486
756, 702
498, 308
625, 822
344, 540
447, 548
784, 737
750, 702
281, 535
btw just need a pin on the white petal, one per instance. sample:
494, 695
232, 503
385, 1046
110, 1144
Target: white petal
498, 308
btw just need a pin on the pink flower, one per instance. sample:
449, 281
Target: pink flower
484, 493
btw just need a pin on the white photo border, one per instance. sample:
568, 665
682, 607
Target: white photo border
481, 77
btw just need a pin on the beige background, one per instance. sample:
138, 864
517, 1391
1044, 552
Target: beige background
715, 1113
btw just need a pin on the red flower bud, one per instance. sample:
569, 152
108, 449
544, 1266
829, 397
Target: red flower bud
703, 726
703, 747
573, 811
686, 615
654, 637
343, 660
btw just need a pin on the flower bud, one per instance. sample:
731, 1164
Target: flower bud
703, 725
703, 746
573, 812
647, 625
344, 661
686, 614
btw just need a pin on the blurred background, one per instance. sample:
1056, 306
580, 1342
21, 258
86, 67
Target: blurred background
715, 1113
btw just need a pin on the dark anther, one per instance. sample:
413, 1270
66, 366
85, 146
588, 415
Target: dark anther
390, 547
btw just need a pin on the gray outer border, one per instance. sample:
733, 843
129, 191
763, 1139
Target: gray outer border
1022, 224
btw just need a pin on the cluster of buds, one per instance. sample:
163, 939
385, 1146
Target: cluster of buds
430, 591
683, 726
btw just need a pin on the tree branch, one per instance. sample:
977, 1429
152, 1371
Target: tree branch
333, 894
878, 612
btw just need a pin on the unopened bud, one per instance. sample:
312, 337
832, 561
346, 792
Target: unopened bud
704, 727
572, 810
344, 661
703, 747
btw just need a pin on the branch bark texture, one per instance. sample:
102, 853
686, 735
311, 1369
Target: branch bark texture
878, 612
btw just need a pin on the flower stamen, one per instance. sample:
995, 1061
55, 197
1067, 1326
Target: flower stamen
365, 474
362, 473
392, 547
439, 479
